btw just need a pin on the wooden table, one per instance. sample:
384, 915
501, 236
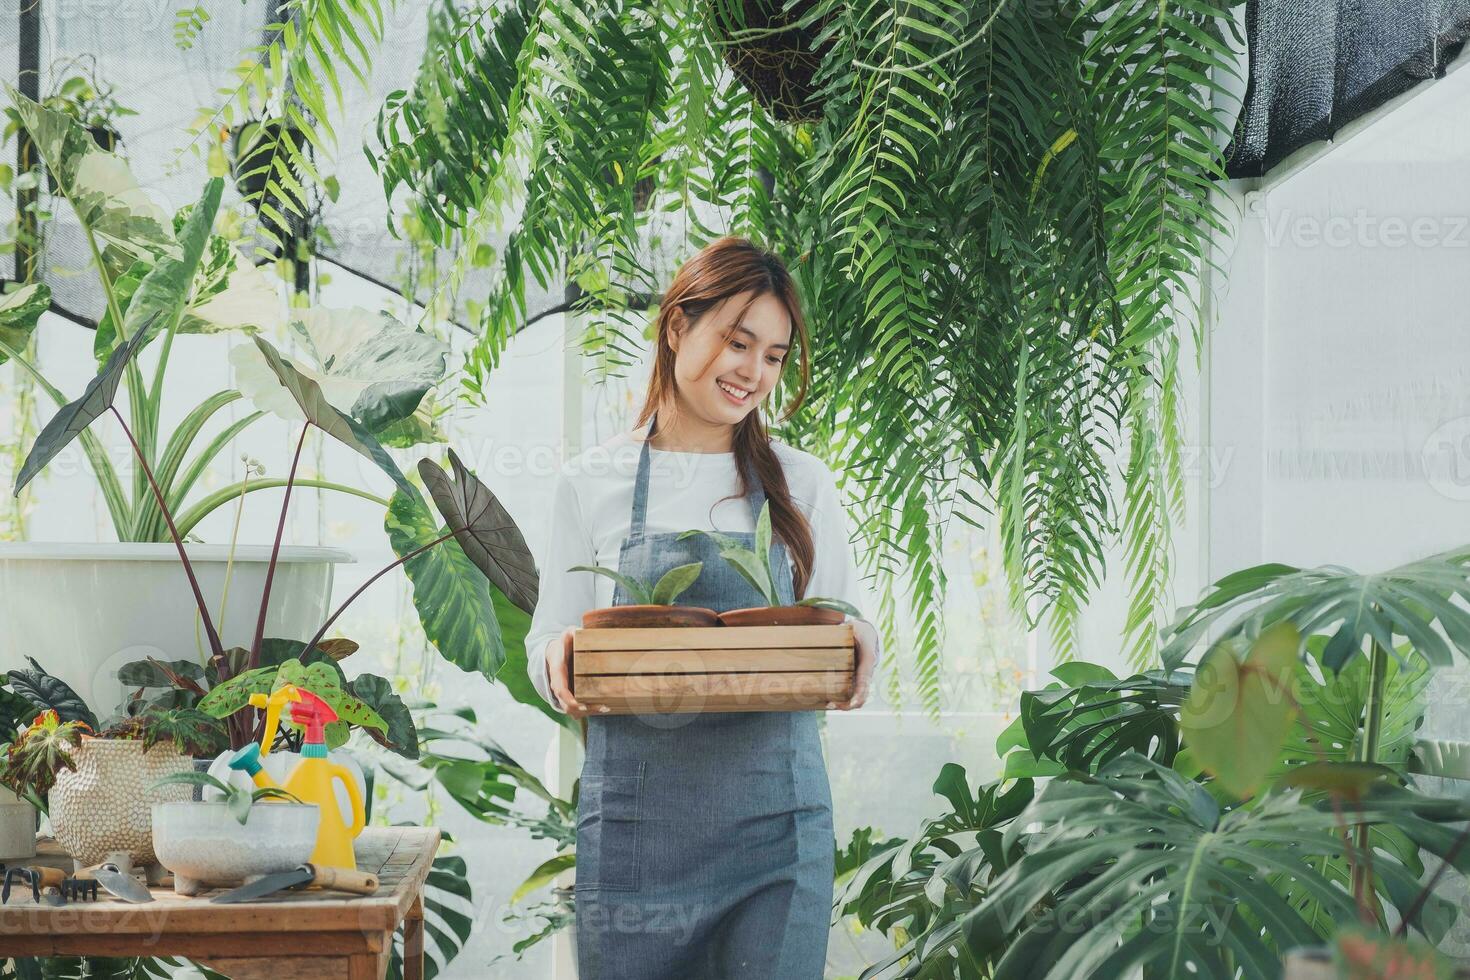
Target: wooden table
300, 934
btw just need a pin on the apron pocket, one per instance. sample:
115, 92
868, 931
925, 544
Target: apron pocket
608, 826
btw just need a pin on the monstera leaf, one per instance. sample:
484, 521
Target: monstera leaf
1415, 601
484, 529
368, 366
308, 402
74, 417
19, 312
1139, 868
113, 210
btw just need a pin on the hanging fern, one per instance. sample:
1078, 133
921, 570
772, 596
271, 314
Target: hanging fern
995, 214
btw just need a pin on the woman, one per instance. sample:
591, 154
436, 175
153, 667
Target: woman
704, 841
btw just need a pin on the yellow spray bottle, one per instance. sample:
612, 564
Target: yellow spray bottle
248, 758
314, 781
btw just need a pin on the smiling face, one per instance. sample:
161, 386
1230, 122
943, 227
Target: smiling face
721, 380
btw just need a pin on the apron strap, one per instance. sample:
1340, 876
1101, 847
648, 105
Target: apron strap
757, 495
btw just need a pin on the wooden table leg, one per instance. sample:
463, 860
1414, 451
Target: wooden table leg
413, 940
367, 966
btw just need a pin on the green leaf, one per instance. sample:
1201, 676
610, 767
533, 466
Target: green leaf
675, 582
20, 311
544, 875
452, 596
50, 693
313, 406
1239, 713
823, 602
74, 417
752, 569
162, 293
636, 589
400, 734
367, 365
484, 529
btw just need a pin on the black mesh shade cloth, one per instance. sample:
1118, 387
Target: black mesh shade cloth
1316, 65
133, 49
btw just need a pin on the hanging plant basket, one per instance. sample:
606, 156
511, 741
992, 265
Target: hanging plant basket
778, 65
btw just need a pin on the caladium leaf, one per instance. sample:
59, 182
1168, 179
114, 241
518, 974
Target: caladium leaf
484, 529
401, 735
50, 693
676, 581
19, 313
74, 417
314, 407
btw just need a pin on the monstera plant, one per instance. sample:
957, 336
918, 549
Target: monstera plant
1209, 817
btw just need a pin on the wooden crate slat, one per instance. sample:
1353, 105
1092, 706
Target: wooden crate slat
714, 637
587, 662
630, 705
823, 684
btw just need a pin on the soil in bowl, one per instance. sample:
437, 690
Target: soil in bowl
635, 617
782, 616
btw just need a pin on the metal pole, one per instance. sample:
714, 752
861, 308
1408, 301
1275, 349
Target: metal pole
28, 80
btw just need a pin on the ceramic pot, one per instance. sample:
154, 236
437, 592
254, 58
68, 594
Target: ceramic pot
105, 804
84, 610
17, 827
634, 617
782, 616
206, 847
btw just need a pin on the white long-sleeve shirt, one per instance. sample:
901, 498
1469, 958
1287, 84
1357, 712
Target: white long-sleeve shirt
591, 511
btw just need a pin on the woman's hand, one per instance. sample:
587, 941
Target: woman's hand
558, 656
866, 638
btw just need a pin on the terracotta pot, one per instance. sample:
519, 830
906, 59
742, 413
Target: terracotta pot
782, 616
634, 617
105, 804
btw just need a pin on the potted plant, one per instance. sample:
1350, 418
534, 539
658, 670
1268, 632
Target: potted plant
1208, 816
755, 568
94, 785
192, 280
475, 518
654, 606
84, 98
240, 834
17, 809
773, 49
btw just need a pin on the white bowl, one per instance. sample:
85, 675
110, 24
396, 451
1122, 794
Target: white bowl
206, 847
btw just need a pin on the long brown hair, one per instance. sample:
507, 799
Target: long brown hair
724, 268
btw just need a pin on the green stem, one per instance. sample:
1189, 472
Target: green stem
201, 510
112, 491
214, 643
1372, 731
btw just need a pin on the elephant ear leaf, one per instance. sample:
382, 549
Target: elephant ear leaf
50, 693
320, 413
675, 582
73, 418
485, 530
20, 311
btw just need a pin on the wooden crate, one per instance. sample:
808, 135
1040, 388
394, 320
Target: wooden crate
683, 670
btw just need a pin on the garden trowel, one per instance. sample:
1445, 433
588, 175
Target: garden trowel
303, 876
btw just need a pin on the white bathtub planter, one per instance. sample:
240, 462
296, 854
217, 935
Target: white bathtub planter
17, 827
232, 840
85, 610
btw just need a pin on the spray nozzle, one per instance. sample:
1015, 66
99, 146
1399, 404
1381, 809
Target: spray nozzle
273, 704
314, 715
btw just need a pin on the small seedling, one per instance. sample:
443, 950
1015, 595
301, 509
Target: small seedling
239, 800
755, 566
673, 584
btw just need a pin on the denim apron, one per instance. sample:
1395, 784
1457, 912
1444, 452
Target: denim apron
704, 841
